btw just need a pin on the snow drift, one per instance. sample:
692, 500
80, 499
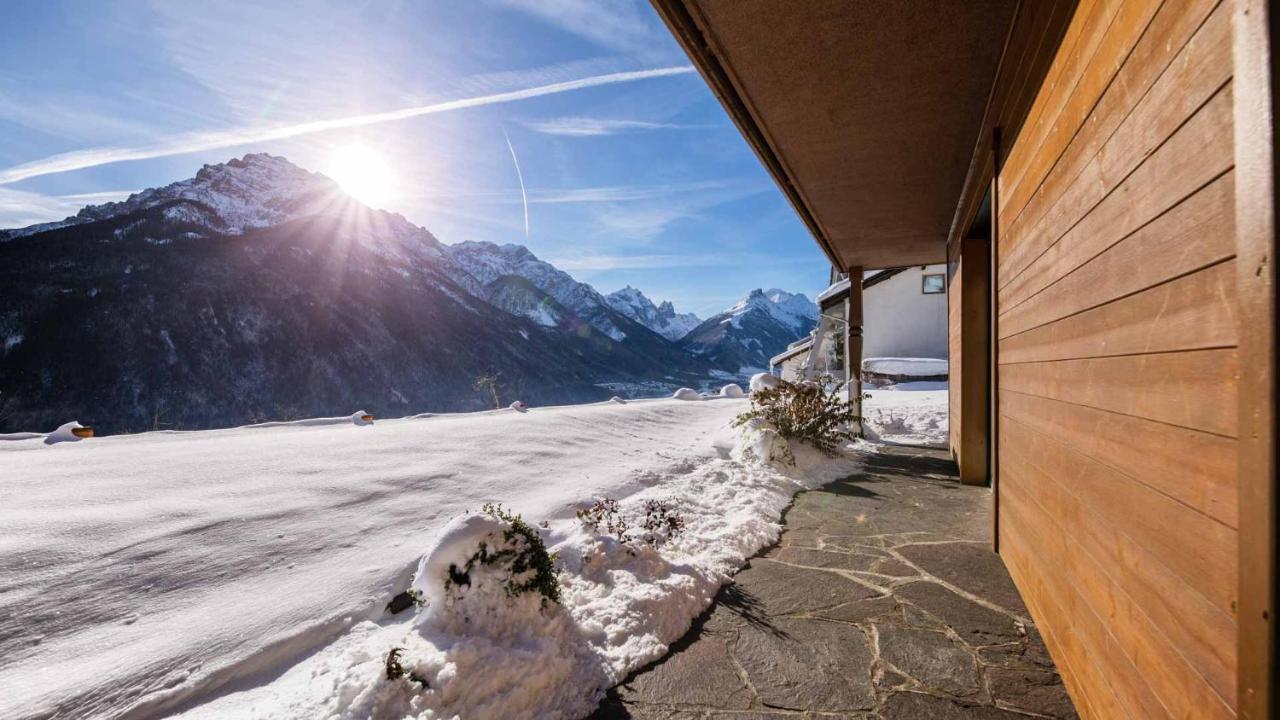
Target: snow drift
247, 572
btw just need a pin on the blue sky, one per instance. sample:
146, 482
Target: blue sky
632, 171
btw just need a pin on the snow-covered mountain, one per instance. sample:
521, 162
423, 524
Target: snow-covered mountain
662, 319
755, 329
258, 290
487, 262
255, 191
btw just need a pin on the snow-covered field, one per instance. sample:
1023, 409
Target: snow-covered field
910, 413
905, 366
244, 573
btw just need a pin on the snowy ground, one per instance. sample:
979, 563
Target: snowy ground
244, 573
910, 413
905, 366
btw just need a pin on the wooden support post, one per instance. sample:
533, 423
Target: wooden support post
853, 342
969, 371
1254, 29
993, 337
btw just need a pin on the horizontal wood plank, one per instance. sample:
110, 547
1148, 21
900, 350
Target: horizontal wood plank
1194, 389
1075, 143
1201, 554
1182, 688
1198, 232
1091, 651
1153, 138
1194, 468
1192, 312
1125, 30
1087, 28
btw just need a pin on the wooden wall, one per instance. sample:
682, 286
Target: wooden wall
968, 356
1118, 364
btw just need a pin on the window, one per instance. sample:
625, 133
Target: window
933, 284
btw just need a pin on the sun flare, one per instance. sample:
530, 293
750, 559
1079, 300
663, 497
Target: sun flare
363, 173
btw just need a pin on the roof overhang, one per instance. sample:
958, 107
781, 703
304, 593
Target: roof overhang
874, 118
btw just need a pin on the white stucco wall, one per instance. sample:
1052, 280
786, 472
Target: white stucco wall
898, 320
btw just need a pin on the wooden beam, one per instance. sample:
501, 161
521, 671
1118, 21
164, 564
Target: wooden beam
1254, 60
853, 344
993, 367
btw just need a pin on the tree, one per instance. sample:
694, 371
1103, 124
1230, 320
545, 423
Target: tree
488, 384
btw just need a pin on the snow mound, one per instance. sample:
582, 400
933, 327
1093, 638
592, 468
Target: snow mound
65, 433
912, 413
732, 391
361, 417
519, 406
905, 367
456, 542
685, 393
618, 400
764, 380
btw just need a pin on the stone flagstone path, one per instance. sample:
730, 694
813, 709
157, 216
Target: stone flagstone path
881, 601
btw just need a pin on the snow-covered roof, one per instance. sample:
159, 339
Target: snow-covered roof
834, 291
792, 350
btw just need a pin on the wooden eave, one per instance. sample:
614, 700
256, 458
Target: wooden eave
873, 118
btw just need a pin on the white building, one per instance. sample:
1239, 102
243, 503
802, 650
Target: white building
904, 312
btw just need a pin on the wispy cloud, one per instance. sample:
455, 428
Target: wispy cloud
618, 24
593, 127
196, 142
633, 262
20, 209
524, 196
596, 194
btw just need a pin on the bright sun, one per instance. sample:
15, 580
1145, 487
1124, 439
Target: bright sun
362, 173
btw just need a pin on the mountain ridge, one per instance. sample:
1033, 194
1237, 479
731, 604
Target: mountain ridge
259, 290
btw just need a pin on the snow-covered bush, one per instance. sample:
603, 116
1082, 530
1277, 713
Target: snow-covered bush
604, 513
522, 557
519, 406
661, 522
493, 549
731, 391
687, 394
69, 432
803, 412
764, 381
396, 670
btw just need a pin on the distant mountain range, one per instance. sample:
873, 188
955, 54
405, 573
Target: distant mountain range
258, 290
662, 319
758, 327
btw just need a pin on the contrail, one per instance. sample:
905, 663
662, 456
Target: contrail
196, 142
524, 197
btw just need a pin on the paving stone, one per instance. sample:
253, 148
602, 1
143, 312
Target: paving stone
876, 608
794, 628
805, 664
918, 706
972, 567
799, 537
779, 589
702, 673
1037, 691
871, 545
823, 558
1028, 654
894, 567
976, 624
614, 710
937, 661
